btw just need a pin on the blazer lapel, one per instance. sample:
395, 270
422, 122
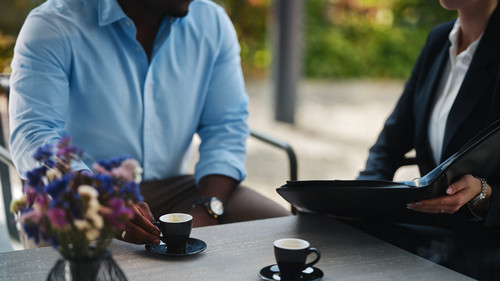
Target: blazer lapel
429, 92
477, 80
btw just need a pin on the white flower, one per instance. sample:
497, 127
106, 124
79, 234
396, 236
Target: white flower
81, 224
128, 170
96, 220
53, 174
87, 190
138, 174
93, 206
92, 234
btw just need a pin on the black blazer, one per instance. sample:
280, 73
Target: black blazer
477, 105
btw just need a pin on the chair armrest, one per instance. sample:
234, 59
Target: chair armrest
5, 179
407, 161
279, 144
5, 157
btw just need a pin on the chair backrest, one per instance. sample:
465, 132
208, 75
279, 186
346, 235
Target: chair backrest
5, 167
4, 83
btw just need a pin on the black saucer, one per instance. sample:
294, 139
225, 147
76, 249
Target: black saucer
272, 273
193, 247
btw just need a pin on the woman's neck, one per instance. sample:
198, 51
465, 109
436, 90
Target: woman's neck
473, 21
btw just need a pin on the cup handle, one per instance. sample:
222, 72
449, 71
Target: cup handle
318, 256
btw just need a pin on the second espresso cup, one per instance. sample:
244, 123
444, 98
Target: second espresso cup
175, 229
291, 255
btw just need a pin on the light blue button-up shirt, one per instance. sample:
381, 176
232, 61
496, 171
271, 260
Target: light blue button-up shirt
78, 70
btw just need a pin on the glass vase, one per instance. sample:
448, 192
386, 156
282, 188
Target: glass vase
100, 268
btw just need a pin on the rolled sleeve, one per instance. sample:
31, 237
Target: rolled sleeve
223, 128
39, 91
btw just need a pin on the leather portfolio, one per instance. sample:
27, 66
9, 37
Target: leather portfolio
377, 199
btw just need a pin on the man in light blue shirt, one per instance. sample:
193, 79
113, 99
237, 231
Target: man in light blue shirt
138, 78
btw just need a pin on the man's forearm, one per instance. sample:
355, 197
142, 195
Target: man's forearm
217, 186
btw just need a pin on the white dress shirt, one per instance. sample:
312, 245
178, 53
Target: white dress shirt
450, 84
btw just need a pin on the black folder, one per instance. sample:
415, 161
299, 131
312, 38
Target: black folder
379, 199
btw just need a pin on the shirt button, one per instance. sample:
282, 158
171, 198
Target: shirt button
148, 127
147, 166
127, 23
138, 49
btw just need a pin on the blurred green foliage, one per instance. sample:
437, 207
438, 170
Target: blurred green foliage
367, 38
342, 38
12, 15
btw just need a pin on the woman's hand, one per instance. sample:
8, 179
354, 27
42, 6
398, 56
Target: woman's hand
140, 229
458, 193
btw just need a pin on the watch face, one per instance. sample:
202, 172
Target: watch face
216, 206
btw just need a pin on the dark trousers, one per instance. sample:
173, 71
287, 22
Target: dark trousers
178, 194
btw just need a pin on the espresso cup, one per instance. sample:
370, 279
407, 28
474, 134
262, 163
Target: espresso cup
291, 255
175, 229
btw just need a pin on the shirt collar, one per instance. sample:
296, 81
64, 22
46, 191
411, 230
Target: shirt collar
109, 11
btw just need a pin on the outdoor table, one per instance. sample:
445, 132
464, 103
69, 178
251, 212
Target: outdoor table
239, 251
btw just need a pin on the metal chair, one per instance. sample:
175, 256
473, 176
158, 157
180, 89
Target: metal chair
5, 176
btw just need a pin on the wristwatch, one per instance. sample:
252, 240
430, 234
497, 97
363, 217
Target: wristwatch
213, 205
480, 197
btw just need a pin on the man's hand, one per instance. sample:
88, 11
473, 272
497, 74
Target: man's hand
201, 217
458, 193
211, 186
140, 229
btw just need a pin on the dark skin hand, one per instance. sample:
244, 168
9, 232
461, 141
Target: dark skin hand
458, 193
211, 186
140, 229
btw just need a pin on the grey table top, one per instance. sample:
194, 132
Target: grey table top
239, 251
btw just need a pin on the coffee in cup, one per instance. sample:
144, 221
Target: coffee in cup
175, 229
291, 255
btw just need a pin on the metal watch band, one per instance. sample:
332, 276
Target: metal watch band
480, 197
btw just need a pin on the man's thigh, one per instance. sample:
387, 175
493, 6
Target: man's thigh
178, 194
171, 195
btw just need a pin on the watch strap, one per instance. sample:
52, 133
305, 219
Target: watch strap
206, 201
480, 197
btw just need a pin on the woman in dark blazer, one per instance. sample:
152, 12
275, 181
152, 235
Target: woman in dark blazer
438, 113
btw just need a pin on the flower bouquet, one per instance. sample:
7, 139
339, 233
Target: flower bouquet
77, 212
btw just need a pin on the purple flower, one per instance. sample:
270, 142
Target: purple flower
132, 190
104, 183
53, 207
30, 194
105, 164
30, 220
43, 153
57, 217
57, 186
117, 213
117, 161
35, 177
42, 200
64, 149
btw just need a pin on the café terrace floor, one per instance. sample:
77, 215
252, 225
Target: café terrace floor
336, 123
